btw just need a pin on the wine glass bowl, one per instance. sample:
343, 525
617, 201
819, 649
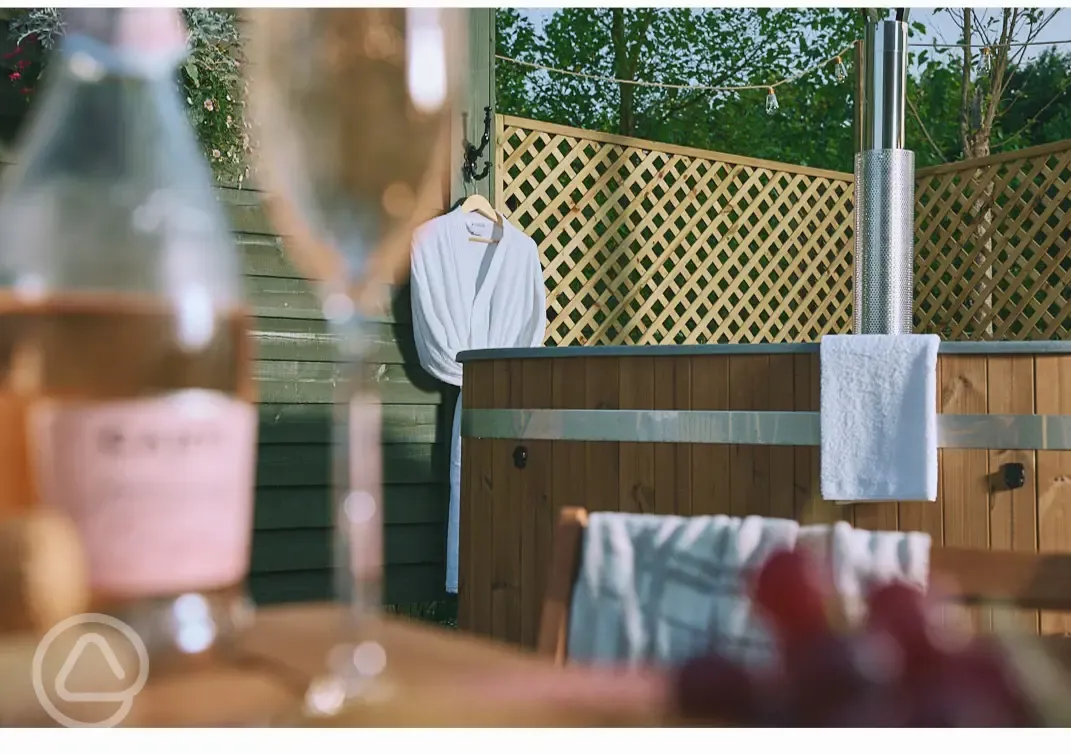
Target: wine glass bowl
352, 108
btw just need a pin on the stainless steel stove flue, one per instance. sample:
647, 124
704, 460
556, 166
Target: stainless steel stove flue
884, 189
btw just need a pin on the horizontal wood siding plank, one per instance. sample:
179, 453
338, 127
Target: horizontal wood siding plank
296, 298
312, 340
310, 549
305, 465
317, 382
313, 423
316, 585
403, 585
264, 256
245, 216
310, 507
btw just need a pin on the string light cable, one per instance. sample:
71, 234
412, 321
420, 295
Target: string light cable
984, 46
839, 71
988, 48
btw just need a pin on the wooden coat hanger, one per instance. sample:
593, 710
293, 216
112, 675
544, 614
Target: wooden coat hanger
477, 203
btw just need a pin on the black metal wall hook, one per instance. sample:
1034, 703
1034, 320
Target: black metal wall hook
473, 153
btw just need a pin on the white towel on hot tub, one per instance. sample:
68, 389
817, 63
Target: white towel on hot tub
469, 295
879, 417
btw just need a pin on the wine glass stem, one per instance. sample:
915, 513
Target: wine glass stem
358, 494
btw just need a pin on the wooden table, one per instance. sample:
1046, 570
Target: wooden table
439, 678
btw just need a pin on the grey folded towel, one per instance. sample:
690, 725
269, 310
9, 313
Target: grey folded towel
659, 589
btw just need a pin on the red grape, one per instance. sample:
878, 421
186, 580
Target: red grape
882, 707
788, 589
896, 671
712, 686
966, 687
831, 671
902, 612
949, 700
984, 667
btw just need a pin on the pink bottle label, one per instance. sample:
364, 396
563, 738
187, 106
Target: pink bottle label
161, 489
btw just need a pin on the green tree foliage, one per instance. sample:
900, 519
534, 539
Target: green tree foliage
710, 46
971, 101
1040, 107
732, 46
1037, 108
211, 78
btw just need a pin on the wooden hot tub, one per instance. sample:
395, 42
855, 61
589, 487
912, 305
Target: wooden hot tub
520, 464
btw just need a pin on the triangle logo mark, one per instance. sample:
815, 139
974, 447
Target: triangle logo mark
83, 643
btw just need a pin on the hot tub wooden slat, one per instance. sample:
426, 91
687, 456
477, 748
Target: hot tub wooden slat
710, 463
1053, 395
685, 499
636, 482
805, 398
603, 390
568, 459
506, 511
1012, 519
673, 463
964, 493
782, 458
537, 514
466, 582
749, 476
479, 497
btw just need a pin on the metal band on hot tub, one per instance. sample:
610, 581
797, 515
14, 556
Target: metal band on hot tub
985, 431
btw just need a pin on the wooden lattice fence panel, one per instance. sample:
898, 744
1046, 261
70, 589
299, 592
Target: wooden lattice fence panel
651, 243
993, 246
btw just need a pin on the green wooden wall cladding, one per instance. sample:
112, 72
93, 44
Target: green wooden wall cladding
298, 371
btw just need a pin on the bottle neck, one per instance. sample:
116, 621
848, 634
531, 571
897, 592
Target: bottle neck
92, 60
109, 189
126, 109
125, 42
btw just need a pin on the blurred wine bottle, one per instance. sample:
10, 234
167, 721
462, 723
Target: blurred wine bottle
126, 399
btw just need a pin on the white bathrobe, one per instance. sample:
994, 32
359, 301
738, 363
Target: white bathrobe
468, 295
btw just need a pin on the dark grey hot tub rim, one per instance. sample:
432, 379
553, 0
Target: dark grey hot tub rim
794, 428
986, 348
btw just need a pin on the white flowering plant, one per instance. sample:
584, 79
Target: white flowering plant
211, 78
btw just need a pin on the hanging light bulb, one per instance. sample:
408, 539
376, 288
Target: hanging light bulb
987, 62
771, 101
839, 71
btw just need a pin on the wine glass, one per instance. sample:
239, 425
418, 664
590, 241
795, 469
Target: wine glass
351, 107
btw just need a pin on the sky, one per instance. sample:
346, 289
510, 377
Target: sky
939, 26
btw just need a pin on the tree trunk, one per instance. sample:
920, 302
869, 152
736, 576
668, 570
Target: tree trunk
626, 124
982, 320
975, 128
